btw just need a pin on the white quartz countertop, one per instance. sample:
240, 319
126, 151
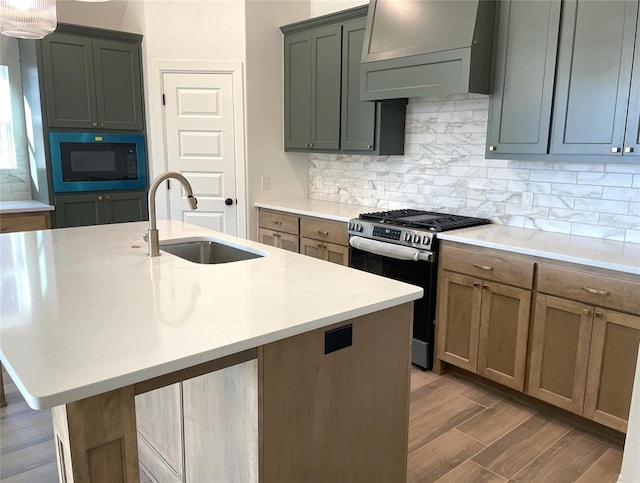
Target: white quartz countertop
322, 209
594, 252
85, 310
7, 207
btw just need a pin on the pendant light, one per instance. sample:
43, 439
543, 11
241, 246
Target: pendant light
27, 19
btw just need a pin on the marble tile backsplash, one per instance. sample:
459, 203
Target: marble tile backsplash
15, 183
444, 168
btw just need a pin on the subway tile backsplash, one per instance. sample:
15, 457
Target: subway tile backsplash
444, 169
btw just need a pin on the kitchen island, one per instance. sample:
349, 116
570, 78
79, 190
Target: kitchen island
88, 320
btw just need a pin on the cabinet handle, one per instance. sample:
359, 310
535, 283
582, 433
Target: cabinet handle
484, 285
595, 291
310, 145
99, 197
102, 124
276, 235
369, 146
628, 149
586, 311
483, 267
94, 124
476, 284
598, 314
492, 148
320, 245
108, 197
277, 223
616, 149
323, 233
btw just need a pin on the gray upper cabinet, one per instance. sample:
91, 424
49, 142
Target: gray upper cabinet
325, 87
91, 82
524, 69
595, 62
322, 107
297, 93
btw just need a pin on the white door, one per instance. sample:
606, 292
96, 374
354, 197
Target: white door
200, 144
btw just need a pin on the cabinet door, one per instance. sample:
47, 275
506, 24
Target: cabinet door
159, 419
594, 74
336, 254
458, 322
297, 91
632, 133
69, 81
358, 117
312, 248
118, 85
125, 206
504, 330
525, 63
612, 361
325, 87
289, 242
286, 241
560, 352
268, 237
79, 210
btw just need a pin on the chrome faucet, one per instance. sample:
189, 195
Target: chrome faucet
152, 236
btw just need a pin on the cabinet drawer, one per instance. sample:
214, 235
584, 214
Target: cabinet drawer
325, 230
590, 288
488, 266
279, 221
24, 222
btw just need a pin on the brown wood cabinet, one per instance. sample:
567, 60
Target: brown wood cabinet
311, 236
583, 354
482, 324
279, 230
28, 221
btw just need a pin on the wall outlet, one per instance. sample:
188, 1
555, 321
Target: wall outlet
266, 183
527, 200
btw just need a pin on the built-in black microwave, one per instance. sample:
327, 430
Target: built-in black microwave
97, 162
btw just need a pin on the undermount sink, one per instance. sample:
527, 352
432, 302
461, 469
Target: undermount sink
208, 251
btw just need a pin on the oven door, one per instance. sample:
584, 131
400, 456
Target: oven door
421, 273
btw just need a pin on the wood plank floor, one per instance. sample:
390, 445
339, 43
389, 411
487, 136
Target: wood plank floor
458, 432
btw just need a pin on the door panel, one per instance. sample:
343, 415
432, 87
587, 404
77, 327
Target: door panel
123, 207
312, 248
200, 140
325, 87
79, 210
297, 91
560, 352
118, 85
613, 356
69, 81
594, 74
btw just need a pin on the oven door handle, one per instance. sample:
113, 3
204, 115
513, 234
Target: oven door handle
390, 250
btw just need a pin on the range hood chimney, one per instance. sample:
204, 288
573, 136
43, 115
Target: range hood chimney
415, 48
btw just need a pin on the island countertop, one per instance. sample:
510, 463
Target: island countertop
86, 310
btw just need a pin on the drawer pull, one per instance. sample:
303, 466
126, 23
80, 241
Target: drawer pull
277, 223
599, 314
277, 235
476, 284
320, 245
586, 311
323, 233
595, 291
483, 267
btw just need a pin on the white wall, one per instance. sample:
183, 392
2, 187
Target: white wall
124, 15
288, 172
323, 7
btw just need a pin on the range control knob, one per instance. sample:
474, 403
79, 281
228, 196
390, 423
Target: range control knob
407, 237
351, 226
359, 227
426, 240
416, 238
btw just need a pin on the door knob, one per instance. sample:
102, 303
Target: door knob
228, 202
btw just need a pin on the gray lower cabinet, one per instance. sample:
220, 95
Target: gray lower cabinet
100, 208
525, 62
322, 106
92, 82
595, 63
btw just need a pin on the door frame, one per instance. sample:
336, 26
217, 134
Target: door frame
156, 127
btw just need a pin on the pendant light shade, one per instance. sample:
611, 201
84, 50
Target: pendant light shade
27, 19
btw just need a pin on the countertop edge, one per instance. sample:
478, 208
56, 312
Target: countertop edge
286, 206
48, 402
26, 206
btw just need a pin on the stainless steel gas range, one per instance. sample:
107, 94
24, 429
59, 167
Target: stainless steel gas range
402, 244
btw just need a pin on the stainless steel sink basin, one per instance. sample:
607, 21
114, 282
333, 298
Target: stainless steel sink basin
208, 251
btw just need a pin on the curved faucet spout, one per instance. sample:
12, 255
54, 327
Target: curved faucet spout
152, 235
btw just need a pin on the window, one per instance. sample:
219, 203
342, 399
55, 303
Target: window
7, 143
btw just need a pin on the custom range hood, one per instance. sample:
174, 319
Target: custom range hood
415, 48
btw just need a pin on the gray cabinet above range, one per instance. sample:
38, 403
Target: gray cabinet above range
322, 107
566, 81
